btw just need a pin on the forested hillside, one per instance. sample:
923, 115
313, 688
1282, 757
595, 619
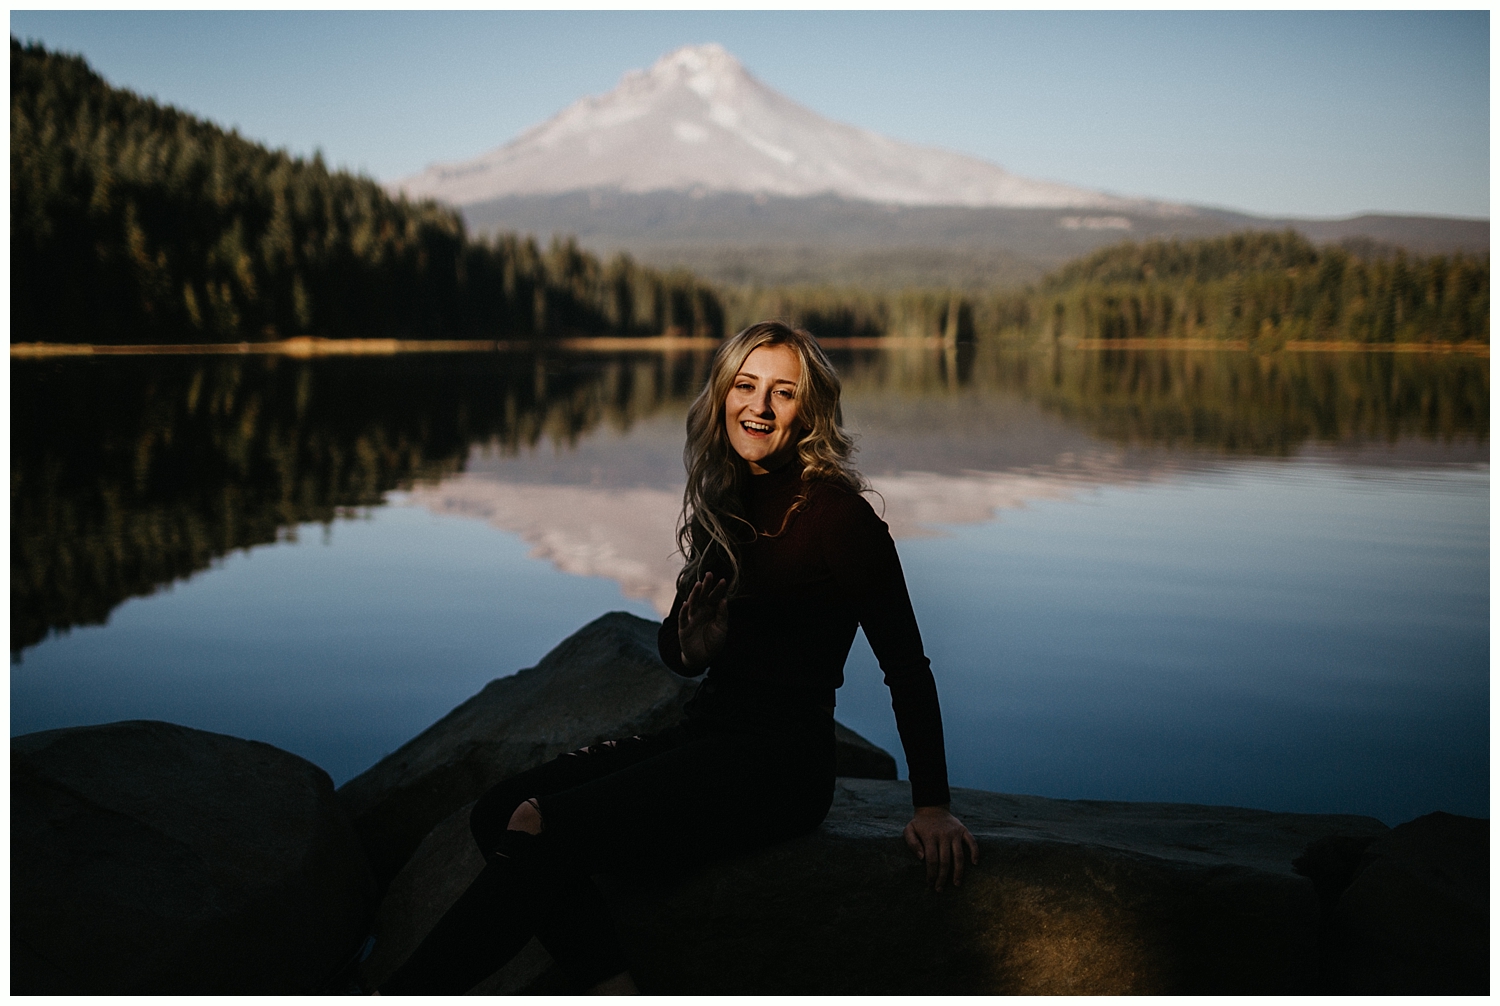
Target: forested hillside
1265, 288
132, 221
1271, 287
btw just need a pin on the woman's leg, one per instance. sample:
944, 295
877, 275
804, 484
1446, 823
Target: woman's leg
708, 796
492, 813
476, 936
522, 891
645, 800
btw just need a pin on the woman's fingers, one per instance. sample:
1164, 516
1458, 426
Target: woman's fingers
705, 596
912, 841
694, 605
703, 620
941, 842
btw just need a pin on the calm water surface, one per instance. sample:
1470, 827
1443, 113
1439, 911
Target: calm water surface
1178, 577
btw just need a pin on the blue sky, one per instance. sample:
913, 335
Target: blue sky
1312, 114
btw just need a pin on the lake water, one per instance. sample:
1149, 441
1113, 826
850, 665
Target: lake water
1193, 577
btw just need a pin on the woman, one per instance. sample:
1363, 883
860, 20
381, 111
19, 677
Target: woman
785, 560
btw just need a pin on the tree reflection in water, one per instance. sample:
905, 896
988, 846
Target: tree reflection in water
130, 473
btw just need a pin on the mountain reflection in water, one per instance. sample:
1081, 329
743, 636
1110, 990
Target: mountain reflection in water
627, 533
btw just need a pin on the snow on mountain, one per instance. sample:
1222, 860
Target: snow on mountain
697, 121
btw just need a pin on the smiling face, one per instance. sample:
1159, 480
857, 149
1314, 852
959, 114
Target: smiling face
760, 411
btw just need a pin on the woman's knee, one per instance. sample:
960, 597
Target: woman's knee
526, 817
491, 815
490, 818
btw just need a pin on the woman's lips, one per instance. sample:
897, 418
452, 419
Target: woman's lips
748, 428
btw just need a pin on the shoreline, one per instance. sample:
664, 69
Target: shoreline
1481, 349
307, 346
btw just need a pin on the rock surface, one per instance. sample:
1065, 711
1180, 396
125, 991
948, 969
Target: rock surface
857, 758
1069, 897
150, 858
606, 680
1415, 919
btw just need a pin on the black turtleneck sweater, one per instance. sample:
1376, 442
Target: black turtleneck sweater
802, 594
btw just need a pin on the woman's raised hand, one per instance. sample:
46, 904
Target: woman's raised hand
703, 622
940, 840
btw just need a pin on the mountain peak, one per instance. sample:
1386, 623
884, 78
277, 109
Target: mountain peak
698, 121
706, 64
707, 70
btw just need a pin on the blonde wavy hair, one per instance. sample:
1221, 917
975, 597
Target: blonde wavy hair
712, 516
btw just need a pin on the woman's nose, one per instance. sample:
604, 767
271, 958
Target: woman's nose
763, 407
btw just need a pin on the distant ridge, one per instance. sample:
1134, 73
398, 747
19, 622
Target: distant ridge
698, 122
760, 240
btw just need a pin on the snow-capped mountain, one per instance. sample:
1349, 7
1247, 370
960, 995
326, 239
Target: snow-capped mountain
697, 121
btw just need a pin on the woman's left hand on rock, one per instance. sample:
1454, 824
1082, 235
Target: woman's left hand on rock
940, 840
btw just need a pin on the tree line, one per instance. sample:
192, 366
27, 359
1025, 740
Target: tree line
1267, 288
132, 221
1258, 287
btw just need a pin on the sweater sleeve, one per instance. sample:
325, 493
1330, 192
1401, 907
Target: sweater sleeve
863, 557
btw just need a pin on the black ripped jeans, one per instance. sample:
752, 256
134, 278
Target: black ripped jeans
733, 776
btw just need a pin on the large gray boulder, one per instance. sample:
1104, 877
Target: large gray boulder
1069, 897
604, 681
149, 858
1415, 919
